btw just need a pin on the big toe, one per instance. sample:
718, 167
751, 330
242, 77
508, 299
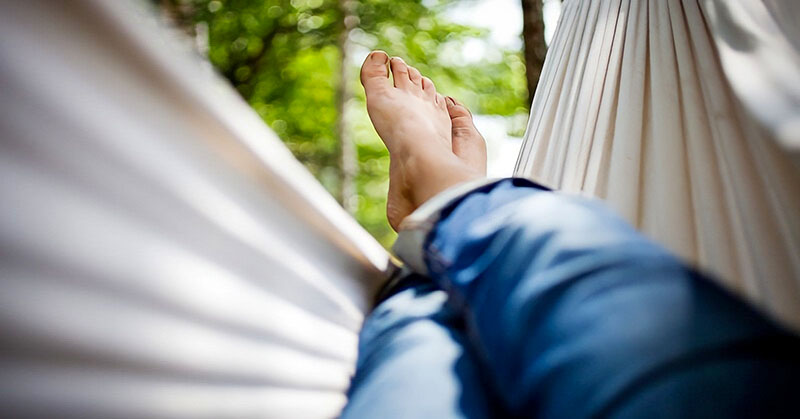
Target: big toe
375, 72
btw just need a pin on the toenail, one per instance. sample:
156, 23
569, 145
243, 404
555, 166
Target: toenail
379, 57
398, 59
450, 101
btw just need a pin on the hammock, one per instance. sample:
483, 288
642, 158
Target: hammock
163, 254
684, 116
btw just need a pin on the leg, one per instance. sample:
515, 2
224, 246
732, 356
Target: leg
580, 316
577, 314
413, 361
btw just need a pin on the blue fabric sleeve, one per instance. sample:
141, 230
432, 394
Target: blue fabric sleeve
575, 314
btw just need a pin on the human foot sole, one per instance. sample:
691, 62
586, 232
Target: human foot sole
413, 121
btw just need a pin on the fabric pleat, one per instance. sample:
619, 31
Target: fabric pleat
634, 107
162, 254
758, 43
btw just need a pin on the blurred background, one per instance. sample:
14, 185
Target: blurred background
296, 62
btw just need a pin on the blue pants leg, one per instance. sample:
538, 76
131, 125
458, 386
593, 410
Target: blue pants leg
580, 316
413, 361
575, 315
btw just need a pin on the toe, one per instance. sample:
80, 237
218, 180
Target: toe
460, 118
429, 88
400, 73
441, 101
468, 144
458, 111
415, 76
374, 73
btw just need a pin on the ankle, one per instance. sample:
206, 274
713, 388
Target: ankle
425, 176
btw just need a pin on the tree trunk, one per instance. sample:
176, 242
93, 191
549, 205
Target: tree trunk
181, 16
178, 14
535, 47
348, 195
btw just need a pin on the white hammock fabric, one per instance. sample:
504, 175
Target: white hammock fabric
162, 253
759, 46
634, 107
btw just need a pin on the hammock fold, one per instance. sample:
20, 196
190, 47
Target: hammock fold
163, 254
634, 107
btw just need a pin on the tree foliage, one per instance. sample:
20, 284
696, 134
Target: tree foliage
284, 59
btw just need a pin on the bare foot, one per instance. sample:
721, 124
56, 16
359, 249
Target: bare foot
414, 123
468, 143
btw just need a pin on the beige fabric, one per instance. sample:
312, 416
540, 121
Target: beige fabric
634, 107
758, 42
162, 254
